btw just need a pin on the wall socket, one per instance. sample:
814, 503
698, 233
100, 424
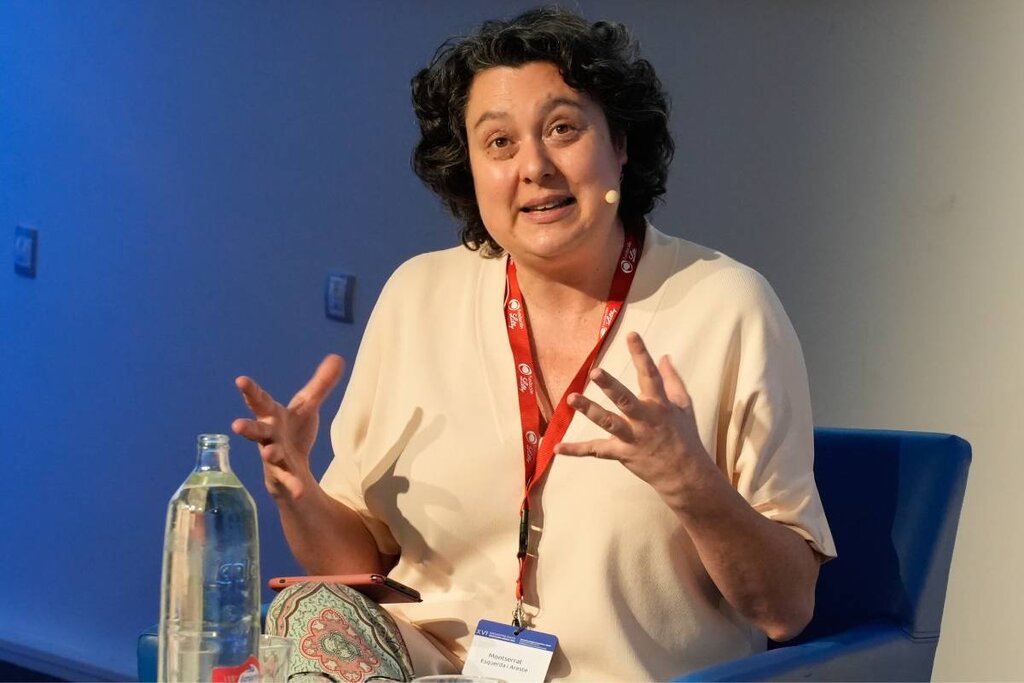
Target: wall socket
339, 296
25, 246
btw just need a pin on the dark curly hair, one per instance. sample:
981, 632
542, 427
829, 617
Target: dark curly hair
599, 59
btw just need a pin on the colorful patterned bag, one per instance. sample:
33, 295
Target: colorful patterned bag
339, 635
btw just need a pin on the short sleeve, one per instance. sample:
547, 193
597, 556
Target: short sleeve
345, 476
770, 432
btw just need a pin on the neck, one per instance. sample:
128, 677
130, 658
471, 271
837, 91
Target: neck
572, 286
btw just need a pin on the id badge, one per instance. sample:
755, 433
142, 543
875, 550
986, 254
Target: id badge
499, 652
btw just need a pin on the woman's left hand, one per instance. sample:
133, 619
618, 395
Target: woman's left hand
654, 435
765, 570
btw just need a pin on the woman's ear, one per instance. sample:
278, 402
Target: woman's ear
619, 142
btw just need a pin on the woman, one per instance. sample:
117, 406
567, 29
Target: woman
675, 523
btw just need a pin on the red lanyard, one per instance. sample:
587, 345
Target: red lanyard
537, 452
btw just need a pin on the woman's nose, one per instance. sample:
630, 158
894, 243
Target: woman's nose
536, 162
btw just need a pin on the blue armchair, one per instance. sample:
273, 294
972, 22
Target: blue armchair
893, 501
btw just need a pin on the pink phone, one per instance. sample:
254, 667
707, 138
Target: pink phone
377, 587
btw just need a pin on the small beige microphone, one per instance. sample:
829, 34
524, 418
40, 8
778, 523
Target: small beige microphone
611, 196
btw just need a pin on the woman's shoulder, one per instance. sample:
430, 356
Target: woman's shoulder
436, 282
718, 281
455, 264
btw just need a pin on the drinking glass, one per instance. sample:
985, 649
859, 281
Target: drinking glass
275, 654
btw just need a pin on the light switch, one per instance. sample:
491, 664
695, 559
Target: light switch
25, 240
339, 296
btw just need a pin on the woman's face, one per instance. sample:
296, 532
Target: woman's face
542, 159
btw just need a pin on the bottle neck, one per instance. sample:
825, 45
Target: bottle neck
212, 453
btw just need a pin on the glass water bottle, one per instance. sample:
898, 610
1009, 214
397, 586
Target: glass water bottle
210, 595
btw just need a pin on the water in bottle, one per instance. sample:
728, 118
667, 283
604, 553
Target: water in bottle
210, 597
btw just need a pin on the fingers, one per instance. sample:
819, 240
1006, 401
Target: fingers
646, 371
675, 388
599, 448
254, 430
260, 402
321, 383
606, 420
623, 398
265, 435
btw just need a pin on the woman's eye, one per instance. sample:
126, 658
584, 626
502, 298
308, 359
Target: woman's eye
501, 147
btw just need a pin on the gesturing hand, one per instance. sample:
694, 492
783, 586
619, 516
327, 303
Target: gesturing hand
286, 434
655, 436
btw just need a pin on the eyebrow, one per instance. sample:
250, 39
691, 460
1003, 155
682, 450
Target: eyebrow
553, 103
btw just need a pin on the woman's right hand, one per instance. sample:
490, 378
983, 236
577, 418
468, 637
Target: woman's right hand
286, 434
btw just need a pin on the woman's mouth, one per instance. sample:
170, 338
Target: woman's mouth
549, 206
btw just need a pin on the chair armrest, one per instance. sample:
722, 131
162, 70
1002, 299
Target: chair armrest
146, 654
146, 650
877, 652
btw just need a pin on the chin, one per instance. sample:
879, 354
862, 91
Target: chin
555, 241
